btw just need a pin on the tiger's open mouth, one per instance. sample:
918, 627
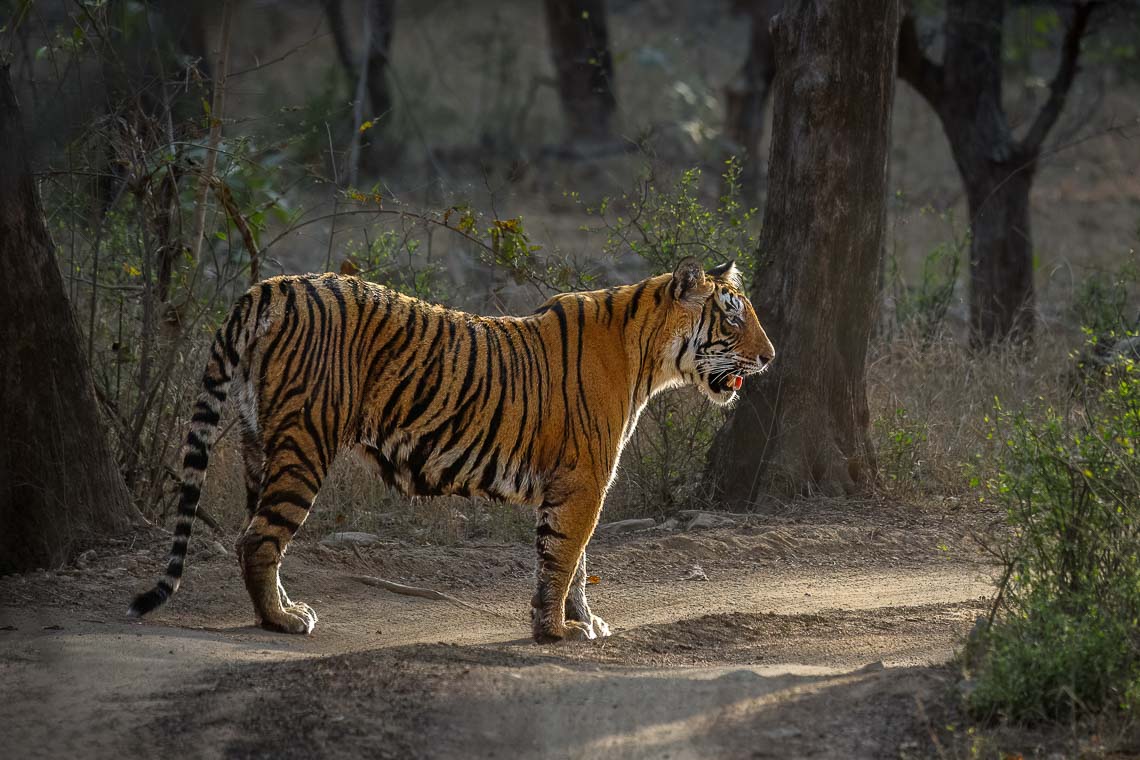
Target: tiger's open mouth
726, 384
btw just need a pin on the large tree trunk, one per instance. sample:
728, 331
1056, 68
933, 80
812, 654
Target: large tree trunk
965, 90
58, 479
746, 96
579, 47
803, 426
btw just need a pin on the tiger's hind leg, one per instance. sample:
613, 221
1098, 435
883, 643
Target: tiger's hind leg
563, 532
577, 608
253, 457
290, 485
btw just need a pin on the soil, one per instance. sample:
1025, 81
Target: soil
822, 632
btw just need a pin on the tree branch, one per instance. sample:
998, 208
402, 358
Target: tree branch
239, 221
921, 73
1062, 81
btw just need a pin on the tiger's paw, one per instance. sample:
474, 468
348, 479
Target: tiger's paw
579, 631
295, 618
601, 627
598, 627
573, 630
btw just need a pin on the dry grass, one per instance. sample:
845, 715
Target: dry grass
929, 405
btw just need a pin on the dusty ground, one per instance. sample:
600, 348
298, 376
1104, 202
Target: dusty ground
819, 633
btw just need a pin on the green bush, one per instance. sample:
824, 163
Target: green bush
901, 442
1067, 642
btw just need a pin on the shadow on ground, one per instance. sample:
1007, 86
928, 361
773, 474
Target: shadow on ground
517, 700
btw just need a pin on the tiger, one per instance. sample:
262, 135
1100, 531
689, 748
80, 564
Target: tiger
532, 410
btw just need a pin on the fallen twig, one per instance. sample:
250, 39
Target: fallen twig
423, 593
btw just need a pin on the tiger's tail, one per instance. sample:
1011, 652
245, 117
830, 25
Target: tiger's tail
230, 343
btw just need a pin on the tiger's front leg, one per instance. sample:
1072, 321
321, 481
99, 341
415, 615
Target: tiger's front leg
577, 608
562, 534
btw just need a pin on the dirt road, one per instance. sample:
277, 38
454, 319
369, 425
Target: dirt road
812, 636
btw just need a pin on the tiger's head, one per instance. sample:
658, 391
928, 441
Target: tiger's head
719, 340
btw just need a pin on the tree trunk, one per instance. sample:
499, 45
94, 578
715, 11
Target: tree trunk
803, 426
989, 160
1001, 256
965, 90
747, 94
369, 78
382, 20
58, 479
579, 46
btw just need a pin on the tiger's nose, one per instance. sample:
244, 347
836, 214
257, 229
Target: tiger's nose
765, 360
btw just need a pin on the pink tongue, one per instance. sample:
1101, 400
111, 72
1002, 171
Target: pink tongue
737, 382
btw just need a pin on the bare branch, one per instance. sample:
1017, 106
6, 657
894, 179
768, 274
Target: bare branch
234, 213
915, 68
1062, 81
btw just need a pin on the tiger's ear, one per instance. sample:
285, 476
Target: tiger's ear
689, 281
727, 272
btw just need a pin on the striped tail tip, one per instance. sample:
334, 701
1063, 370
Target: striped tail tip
150, 601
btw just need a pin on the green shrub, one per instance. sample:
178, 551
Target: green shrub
1067, 642
1104, 301
901, 443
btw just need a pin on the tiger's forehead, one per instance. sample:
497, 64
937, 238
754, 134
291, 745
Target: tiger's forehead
729, 298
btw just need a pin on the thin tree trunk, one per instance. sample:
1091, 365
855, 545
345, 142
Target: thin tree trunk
217, 108
335, 14
58, 479
382, 21
746, 96
579, 47
369, 75
804, 425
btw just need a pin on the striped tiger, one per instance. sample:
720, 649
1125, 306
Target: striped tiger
533, 410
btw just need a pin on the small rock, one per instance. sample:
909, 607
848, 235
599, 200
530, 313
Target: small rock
208, 548
671, 524
350, 538
705, 520
696, 573
84, 560
626, 526
782, 732
872, 667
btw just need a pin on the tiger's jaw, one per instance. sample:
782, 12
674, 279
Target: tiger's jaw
722, 390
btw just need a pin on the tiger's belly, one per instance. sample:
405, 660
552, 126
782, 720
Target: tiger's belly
419, 468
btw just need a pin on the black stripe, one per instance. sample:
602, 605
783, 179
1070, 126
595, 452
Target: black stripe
545, 530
